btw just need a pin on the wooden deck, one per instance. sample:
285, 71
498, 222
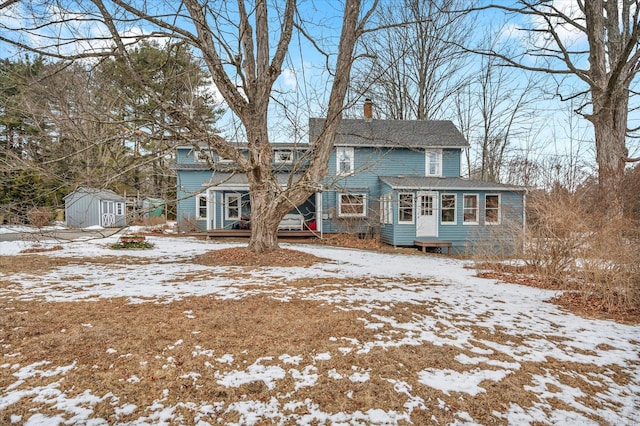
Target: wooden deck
438, 244
245, 233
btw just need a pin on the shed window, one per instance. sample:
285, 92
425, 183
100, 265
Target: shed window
448, 210
119, 209
470, 213
405, 208
492, 209
352, 205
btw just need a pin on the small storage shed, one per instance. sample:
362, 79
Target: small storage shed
87, 207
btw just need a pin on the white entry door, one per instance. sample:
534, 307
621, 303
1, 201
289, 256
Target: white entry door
108, 214
427, 214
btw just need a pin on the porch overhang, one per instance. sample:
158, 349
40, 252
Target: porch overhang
445, 184
240, 182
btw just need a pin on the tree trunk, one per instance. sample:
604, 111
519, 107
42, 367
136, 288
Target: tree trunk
267, 209
609, 120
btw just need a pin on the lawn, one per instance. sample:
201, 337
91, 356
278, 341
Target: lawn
198, 332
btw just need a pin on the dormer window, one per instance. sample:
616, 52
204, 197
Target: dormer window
433, 165
283, 157
201, 156
344, 161
224, 160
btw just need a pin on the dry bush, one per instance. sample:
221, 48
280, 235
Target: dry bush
154, 220
556, 230
578, 249
187, 224
609, 266
40, 216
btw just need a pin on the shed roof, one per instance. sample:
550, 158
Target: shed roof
102, 194
446, 183
391, 133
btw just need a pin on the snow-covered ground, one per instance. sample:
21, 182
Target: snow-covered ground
458, 302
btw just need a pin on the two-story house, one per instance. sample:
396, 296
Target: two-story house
396, 179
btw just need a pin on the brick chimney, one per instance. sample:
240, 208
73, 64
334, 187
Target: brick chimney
368, 110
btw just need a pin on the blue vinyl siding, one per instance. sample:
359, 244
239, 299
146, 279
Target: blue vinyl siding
189, 184
369, 164
451, 162
466, 236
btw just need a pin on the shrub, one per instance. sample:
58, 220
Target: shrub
40, 216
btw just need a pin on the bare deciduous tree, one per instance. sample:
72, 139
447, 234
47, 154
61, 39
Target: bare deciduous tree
596, 41
243, 45
413, 65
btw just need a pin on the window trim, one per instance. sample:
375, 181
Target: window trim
351, 156
413, 208
455, 208
427, 162
386, 209
477, 210
199, 197
200, 156
119, 209
364, 204
499, 208
277, 156
227, 197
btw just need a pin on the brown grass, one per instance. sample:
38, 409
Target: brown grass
171, 340
136, 351
240, 256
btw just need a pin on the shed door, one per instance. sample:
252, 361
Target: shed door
108, 216
427, 217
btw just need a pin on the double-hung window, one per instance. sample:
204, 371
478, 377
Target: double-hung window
201, 156
283, 157
405, 207
201, 206
352, 205
470, 209
433, 165
448, 208
344, 160
232, 206
386, 214
492, 209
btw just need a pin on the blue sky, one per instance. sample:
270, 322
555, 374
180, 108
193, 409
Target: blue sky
305, 83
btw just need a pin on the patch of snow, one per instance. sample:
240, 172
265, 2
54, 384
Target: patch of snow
452, 381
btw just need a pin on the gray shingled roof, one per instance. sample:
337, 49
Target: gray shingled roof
223, 180
390, 133
102, 194
450, 183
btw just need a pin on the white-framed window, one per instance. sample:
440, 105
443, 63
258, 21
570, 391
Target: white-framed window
223, 160
119, 209
201, 206
433, 162
232, 206
470, 209
344, 160
283, 156
201, 156
405, 207
352, 205
448, 208
492, 209
386, 212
